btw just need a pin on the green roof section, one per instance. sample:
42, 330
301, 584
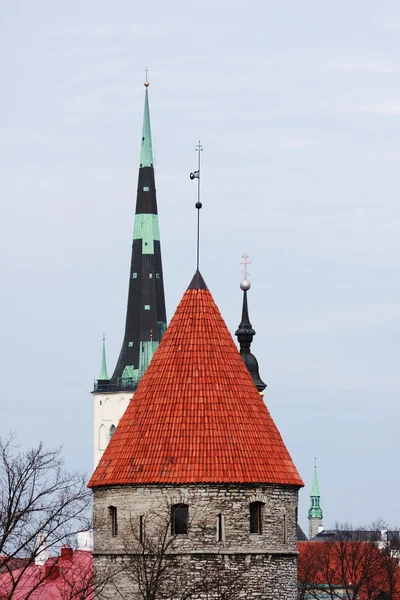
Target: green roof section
146, 153
146, 229
103, 369
315, 488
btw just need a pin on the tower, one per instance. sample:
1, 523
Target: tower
198, 452
315, 511
145, 315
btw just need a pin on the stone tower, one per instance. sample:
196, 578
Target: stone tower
145, 315
315, 511
196, 478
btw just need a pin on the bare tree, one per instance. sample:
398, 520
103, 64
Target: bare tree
351, 564
153, 567
42, 507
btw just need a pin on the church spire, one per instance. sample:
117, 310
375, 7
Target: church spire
315, 512
146, 153
245, 334
145, 315
103, 368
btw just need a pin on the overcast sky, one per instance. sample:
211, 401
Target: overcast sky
297, 105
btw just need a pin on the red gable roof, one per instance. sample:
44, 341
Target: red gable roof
196, 415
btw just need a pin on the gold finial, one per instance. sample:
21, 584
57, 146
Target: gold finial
146, 83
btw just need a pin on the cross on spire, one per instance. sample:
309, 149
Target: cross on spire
245, 262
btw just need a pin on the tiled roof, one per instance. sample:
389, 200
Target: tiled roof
196, 415
57, 579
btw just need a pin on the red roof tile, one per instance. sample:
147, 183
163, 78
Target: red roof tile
196, 415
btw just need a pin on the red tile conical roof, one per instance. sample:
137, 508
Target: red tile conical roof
196, 416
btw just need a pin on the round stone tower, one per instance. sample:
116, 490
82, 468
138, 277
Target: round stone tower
196, 492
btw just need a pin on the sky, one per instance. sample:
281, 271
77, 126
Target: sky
297, 105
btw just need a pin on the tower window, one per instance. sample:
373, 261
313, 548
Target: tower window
284, 530
111, 432
158, 275
179, 519
220, 528
150, 275
146, 188
114, 520
130, 344
134, 275
147, 307
256, 514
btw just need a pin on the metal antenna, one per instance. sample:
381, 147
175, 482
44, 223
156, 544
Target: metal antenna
198, 205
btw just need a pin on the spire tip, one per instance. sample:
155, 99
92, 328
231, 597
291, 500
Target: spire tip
146, 81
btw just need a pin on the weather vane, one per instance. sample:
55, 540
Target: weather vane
198, 205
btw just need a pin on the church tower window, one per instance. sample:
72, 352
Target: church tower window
256, 513
179, 519
111, 432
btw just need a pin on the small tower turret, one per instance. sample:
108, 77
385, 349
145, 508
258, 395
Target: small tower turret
245, 334
315, 512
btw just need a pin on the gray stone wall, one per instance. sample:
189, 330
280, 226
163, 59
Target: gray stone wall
266, 561
313, 527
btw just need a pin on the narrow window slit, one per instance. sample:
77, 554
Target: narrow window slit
256, 513
114, 520
220, 528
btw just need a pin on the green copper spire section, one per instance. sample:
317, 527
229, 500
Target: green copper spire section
103, 369
315, 488
315, 511
146, 153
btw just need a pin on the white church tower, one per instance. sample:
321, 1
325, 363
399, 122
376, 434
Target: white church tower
145, 316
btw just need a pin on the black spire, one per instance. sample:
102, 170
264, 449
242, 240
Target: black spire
145, 316
245, 334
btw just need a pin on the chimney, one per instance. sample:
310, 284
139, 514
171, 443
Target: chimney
51, 571
66, 553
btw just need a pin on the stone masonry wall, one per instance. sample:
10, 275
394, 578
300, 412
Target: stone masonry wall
268, 560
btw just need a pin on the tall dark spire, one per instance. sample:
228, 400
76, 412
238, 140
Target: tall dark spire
145, 316
245, 334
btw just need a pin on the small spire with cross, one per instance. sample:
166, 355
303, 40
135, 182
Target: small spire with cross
146, 83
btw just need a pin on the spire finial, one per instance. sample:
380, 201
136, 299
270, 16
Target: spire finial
245, 284
198, 205
315, 462
146, 83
